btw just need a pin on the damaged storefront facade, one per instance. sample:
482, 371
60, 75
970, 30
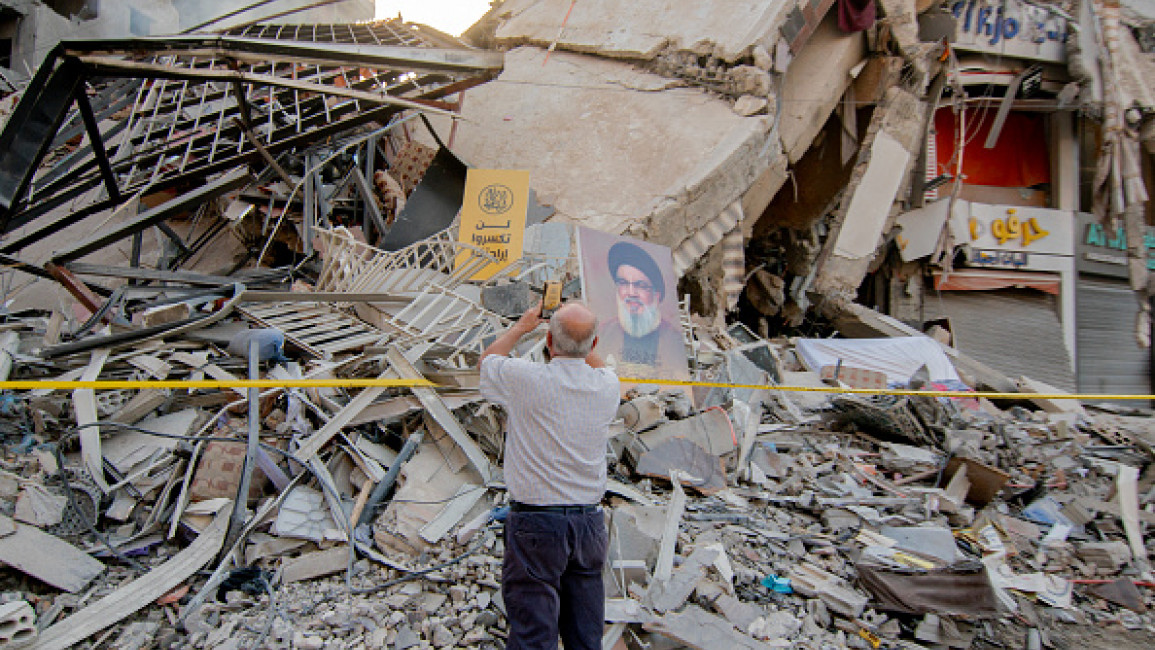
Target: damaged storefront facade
961, 212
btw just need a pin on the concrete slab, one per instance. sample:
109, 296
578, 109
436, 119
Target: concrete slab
613, 147
814, 83
642, 29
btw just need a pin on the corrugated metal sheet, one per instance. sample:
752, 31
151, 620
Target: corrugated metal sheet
690, 250
1014, 331
733, 267
1109, 359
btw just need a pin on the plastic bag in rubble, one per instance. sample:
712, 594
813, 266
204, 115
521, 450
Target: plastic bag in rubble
270, 344
295, 415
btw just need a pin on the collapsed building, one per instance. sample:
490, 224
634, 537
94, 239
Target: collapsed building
1058, 101
968, 180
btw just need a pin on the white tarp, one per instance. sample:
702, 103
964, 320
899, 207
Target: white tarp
899, 358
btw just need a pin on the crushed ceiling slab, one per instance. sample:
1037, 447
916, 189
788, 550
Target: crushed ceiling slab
609, 147
643, 28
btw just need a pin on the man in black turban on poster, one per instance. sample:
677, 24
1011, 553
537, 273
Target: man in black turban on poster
639, 335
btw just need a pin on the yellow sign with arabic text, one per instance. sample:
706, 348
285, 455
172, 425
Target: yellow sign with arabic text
493, 217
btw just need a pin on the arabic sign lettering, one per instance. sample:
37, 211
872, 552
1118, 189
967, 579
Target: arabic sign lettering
493, 215
999, 259
1103, 252
1011, 28
1037, 233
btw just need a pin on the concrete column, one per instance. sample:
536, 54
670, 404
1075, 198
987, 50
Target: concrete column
1064, 161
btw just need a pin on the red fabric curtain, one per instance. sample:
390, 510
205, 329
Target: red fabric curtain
1018, 159
855, 15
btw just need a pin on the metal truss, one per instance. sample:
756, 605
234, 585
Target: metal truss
175, 113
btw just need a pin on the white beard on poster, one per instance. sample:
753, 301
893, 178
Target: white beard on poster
641, 323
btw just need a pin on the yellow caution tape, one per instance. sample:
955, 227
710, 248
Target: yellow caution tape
145, 384
886, 391
870, 638
214, 383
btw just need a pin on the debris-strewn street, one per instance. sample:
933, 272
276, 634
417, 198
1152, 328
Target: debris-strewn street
862, 437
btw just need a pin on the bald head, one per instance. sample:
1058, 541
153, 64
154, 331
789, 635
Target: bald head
573, 328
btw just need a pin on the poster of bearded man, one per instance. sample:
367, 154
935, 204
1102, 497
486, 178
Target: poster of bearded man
631, 286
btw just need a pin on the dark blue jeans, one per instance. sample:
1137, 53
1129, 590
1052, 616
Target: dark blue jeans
551, 579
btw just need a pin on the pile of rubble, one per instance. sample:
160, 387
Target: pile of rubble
739, 512
305, 235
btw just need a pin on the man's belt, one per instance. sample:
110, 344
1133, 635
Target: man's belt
518, 506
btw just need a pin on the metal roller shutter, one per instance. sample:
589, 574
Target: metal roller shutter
1109, 359
1014, 331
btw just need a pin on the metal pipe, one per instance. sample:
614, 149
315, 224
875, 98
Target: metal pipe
237, 520
387, 481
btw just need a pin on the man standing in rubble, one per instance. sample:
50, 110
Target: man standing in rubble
558, 417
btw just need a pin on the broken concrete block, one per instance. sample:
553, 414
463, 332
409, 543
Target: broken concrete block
776, 625
642, 413
39, 507
983, 482
161, 315
138, 635
835, 592
667, 595
853, 377
219, 472
699, 469
315, 565
303, 514
1122, 592
748, 105
17, 625
1109, 555
934, 542
48, 558
837, 519
741, 614
711, 430
510, 299
626, 610
697, 628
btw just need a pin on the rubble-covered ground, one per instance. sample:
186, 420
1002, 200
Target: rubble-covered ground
797, 519
270, 187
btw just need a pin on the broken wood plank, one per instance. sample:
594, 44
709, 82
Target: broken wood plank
315, 564
697, 628
323, 297
664, 567
140, 405
84, 404
454, 456
362, 499
48, 558
394, 409
137, 273
1125, 487
311, 445
9, 345
220, 374
462, 502
129, 598
441, 413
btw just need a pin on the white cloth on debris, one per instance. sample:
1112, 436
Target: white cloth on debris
898, 357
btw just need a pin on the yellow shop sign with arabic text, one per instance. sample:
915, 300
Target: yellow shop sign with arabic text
493, 217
